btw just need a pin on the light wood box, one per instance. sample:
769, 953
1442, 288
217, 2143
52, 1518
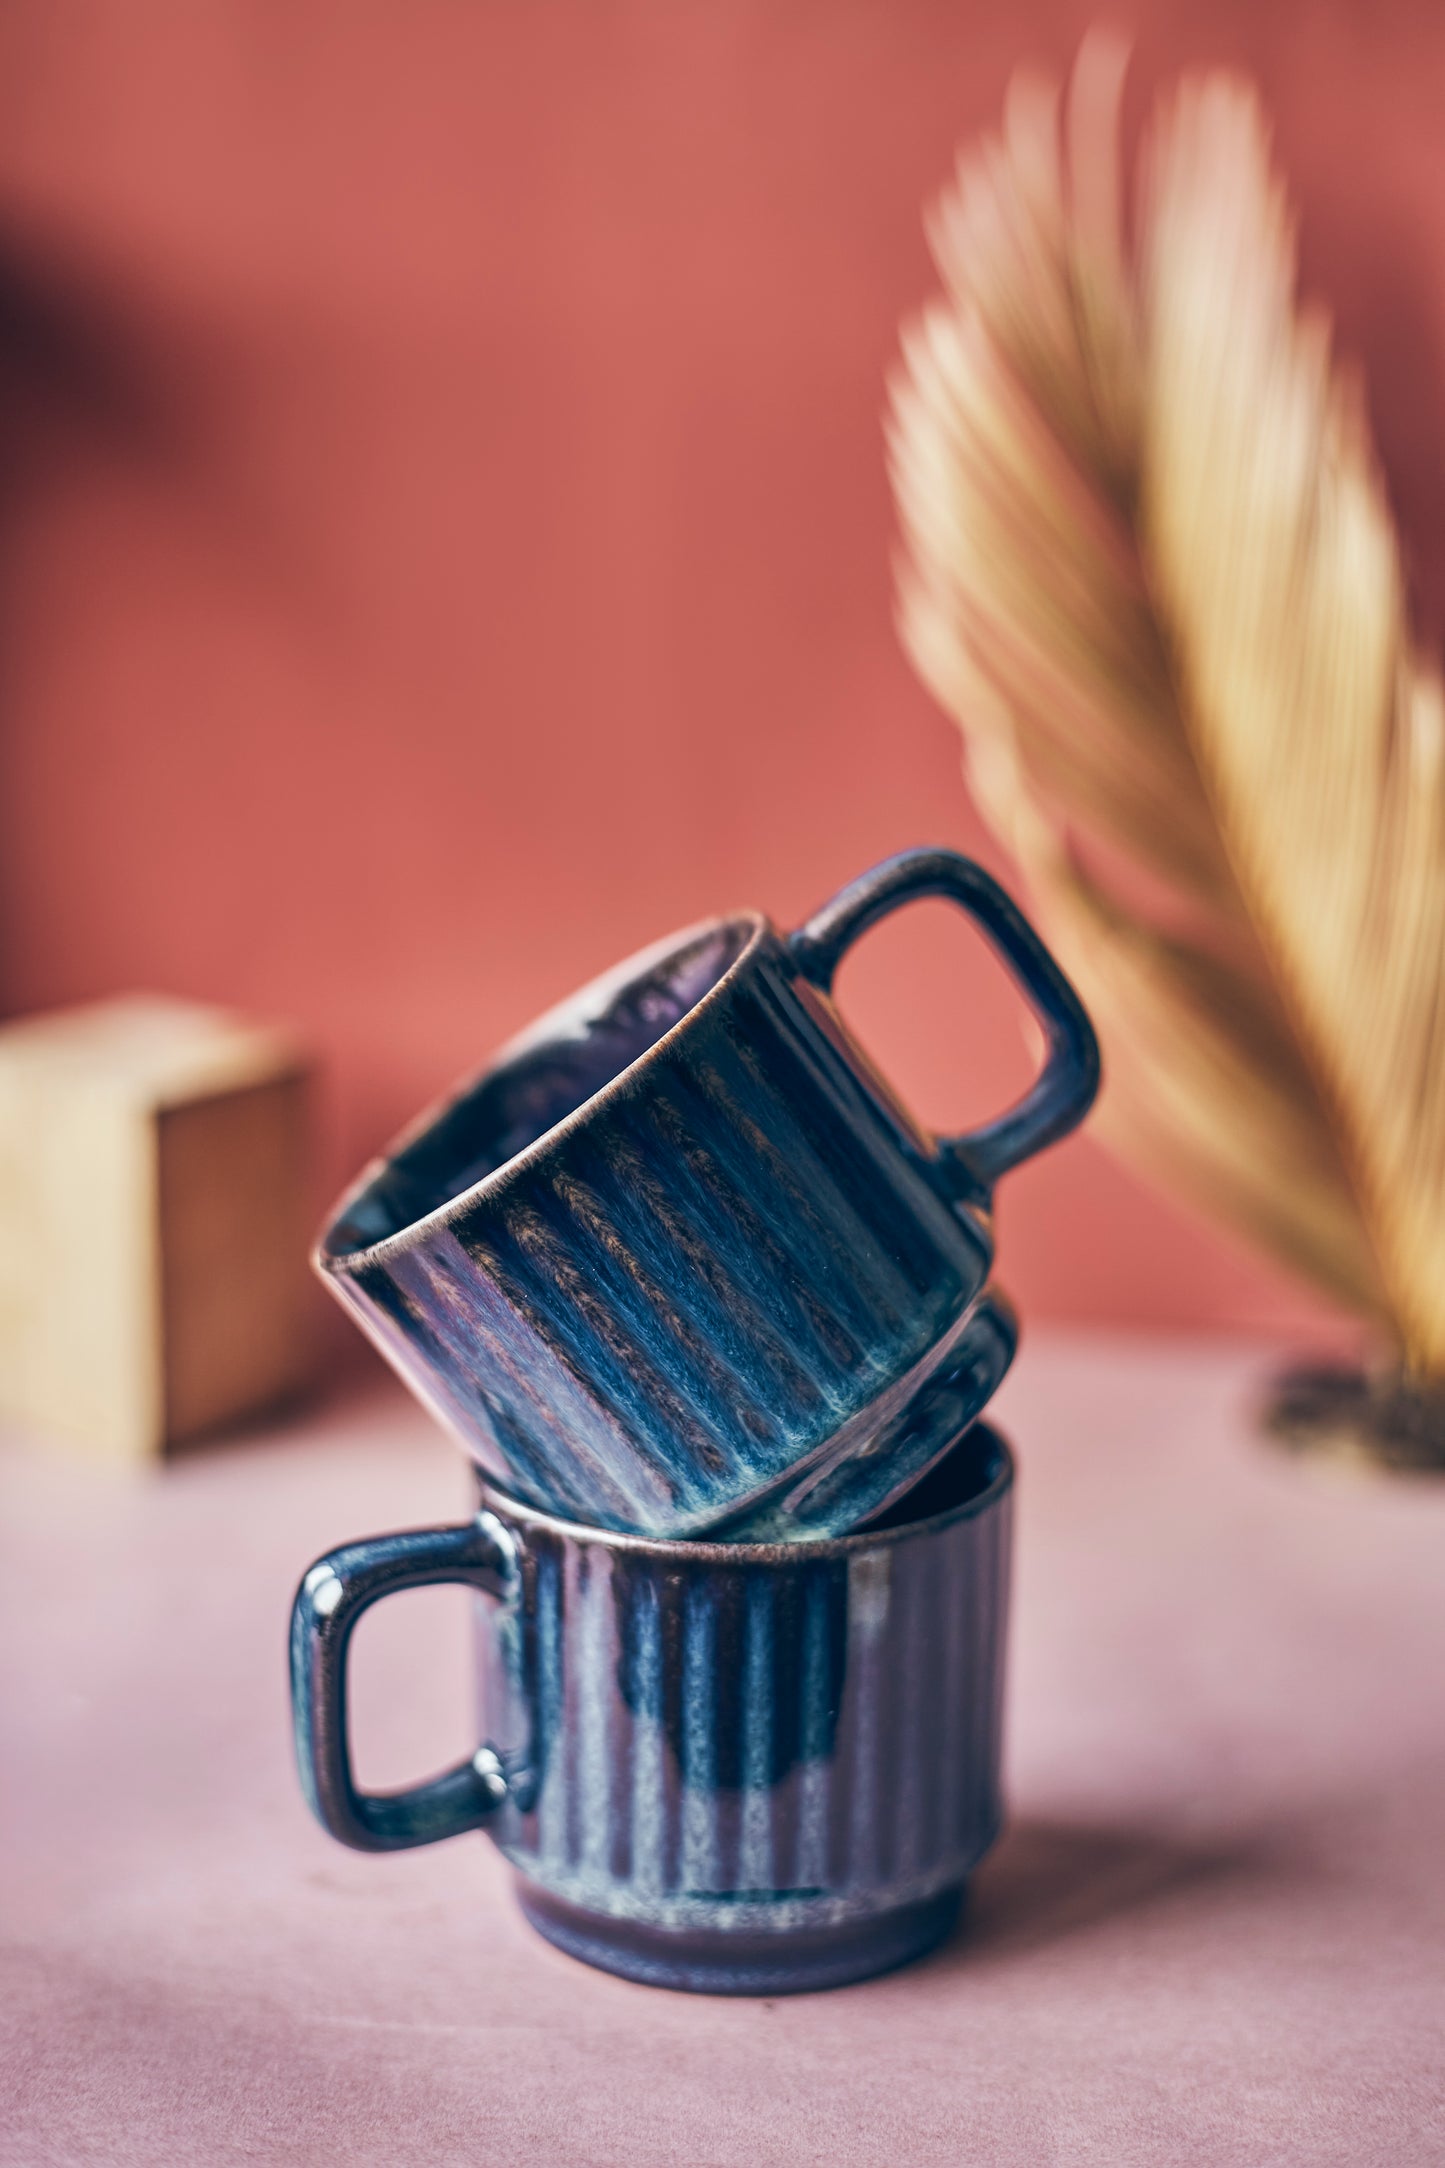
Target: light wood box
153, 1223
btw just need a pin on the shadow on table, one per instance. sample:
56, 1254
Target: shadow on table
1047, 1880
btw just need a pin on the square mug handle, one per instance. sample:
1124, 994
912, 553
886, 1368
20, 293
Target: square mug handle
332, 1597
1065, 1087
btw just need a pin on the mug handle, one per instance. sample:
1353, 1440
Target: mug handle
1065, 1088
332, 1597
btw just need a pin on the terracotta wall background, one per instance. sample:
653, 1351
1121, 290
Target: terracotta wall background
444, 538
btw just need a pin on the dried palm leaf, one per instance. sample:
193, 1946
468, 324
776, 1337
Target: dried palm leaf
1150, 572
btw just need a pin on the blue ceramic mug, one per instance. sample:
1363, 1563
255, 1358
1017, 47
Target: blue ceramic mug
678, 1253
739, 1768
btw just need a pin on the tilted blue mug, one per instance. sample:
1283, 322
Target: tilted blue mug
678, 1261
738, 1768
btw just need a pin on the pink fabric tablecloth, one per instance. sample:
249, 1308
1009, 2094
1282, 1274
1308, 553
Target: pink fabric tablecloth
1214, 1933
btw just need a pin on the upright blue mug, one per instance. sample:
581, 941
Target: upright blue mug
732, 1767
679, 1262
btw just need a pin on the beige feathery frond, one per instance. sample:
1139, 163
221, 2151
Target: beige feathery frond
1151, 573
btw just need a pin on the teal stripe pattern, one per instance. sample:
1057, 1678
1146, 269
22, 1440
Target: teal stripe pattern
674, 1249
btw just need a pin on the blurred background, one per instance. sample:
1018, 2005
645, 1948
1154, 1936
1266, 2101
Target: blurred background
446, 541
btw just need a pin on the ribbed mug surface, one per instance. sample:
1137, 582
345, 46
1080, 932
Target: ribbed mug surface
751, 1768
679, 1261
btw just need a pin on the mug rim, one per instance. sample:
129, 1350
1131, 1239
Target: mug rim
688, 1549
605, 986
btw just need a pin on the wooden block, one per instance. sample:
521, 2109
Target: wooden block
153, 1222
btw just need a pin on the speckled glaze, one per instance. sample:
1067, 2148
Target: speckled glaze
736, 1768
678, 1262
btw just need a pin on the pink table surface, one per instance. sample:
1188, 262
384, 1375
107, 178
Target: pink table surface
1215, 1931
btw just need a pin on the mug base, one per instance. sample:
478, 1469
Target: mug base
717, 1961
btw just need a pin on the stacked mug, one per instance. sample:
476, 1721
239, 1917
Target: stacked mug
714, 1318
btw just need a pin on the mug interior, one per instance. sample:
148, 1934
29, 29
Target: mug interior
969, 1468
564, 1061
